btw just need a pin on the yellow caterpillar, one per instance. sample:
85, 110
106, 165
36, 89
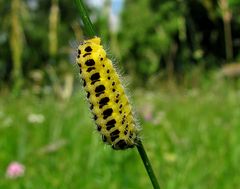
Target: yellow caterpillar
108, 101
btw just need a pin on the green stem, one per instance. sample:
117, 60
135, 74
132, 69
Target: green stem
147, 165
85, 18
91, 33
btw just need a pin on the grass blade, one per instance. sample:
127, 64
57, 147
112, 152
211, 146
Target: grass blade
85, 18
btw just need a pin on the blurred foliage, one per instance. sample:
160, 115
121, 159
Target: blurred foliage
192, 141
175, 36
162, 39
37, 53
149, 39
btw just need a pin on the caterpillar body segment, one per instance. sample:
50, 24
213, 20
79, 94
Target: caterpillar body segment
108, 101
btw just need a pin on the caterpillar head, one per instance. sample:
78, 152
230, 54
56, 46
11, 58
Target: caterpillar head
91, 47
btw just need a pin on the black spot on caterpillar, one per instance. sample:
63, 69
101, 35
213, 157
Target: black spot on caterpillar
103, 102
114, 135
99, 89
90, 69
86, 54
108, 112
88, 94
110, 124
88, 49
84, 82
95, 77
89, 62
99, 127
104, 90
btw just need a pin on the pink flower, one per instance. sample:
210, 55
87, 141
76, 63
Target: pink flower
15, 170
147, 112
148, 115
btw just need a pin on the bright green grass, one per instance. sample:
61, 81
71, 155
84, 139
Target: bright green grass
195, 145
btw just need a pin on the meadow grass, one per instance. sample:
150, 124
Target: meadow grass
192, 138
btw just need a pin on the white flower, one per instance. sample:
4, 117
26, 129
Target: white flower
36, 118
170, 157
7, 122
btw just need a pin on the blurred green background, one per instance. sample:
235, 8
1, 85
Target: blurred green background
183, 55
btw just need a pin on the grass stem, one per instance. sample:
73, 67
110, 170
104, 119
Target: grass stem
147, 165
85, 18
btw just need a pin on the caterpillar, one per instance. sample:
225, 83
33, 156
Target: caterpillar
108, 101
